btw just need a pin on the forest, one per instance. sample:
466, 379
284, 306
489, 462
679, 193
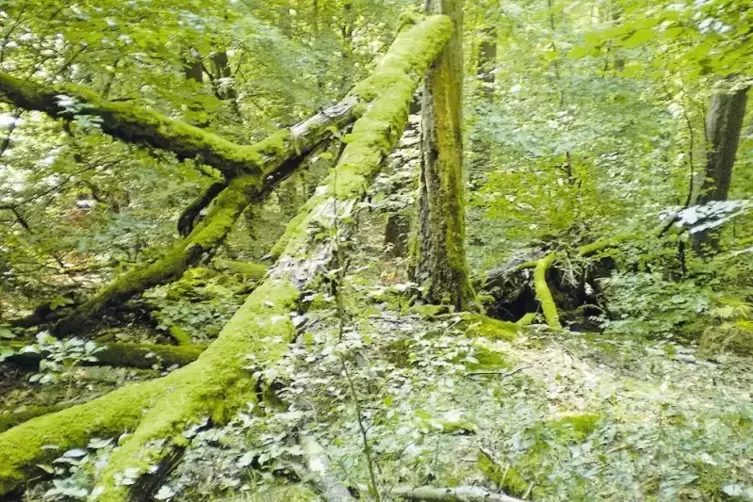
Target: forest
376, 250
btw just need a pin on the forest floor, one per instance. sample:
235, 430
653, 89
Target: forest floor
455, 400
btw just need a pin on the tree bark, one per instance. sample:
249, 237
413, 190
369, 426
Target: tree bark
440, 264
219, 382
724, 122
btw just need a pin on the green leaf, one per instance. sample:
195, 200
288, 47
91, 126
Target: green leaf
639, 37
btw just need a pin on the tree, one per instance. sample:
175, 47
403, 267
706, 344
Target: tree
439, 254
724, 123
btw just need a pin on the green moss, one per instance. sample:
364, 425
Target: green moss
543, 294
527, 319
488, 359
23, 447
249, 270
216, 384
575, 427
389, 91
209, 234
506, 477
181, 336
595, 247
12, 418
477, 325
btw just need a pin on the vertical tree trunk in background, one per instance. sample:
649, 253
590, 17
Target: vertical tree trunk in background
724, 123
192, 69
487, 59
486, 64
440, 264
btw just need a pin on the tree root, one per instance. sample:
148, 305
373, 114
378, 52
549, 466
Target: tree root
544, 294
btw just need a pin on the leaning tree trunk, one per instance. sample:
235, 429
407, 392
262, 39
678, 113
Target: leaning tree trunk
440, 264
219, 382
723, 125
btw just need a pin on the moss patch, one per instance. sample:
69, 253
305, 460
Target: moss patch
477, 325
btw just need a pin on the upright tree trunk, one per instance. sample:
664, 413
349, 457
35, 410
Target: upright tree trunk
440, 253
724, 122
487, 59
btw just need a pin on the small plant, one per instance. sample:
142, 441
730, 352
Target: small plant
60, 358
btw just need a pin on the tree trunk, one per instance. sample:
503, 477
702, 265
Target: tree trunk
487, 60
440, 265
219, 382
724, 122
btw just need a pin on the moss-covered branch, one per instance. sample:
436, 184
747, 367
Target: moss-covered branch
187, 219
385, 92
544, 294
220, 381
209, 234
130, 355
131, 121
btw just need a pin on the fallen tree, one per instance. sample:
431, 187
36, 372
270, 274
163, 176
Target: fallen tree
129, 355
219, 382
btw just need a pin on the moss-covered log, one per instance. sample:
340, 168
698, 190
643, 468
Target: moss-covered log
220, 381
129, 355
11, 419
23, 447
209, 234
131, 121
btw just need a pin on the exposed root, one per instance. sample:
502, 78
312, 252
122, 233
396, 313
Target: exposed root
544, 294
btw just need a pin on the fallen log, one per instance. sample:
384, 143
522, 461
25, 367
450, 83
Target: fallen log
218, 382
127, 355
231, 202
187, 219
453, 494
209, 234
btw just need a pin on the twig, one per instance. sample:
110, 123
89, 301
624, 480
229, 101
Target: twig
364, 435
503, 374
332, 489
